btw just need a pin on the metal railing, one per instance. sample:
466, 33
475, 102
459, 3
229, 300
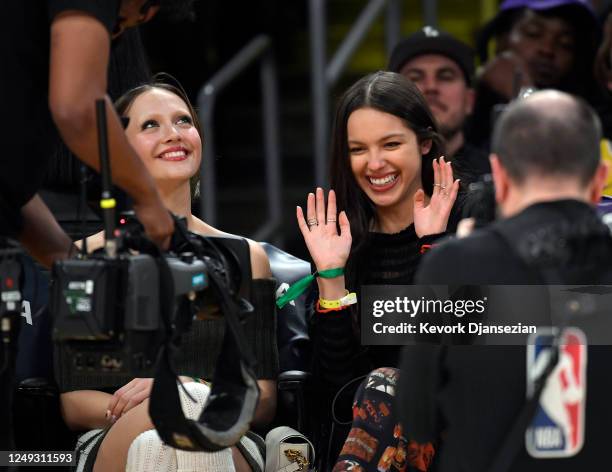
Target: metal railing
324, 75
430, 12
259, 49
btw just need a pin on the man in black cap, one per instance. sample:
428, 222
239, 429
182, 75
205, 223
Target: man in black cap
442, 68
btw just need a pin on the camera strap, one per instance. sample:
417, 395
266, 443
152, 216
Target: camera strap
522, 246
230, 407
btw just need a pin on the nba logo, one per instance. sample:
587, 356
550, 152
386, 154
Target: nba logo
557, 429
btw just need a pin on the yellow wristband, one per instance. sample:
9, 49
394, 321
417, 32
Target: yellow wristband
348, 299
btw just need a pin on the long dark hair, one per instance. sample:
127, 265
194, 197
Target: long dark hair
161, 81
390, 93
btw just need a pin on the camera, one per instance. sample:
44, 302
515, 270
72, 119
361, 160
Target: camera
10, 277
108, 327
480, 201
10, 300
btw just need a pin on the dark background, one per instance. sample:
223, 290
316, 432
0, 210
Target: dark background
194, 51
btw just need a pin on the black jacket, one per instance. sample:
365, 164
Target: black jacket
472, 394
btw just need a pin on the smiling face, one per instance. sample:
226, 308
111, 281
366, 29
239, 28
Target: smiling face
385, 157
443, 85
547, 45
162, 132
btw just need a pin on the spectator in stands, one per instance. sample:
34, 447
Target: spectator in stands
548, 176
397, 191
442, 67
550, 44
603, 74
163, 129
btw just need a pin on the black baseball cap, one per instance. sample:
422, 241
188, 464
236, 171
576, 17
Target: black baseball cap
430, 40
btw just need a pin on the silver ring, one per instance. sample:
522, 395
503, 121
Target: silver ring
312, 222
331, 220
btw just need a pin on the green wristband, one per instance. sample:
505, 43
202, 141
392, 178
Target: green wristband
301, 285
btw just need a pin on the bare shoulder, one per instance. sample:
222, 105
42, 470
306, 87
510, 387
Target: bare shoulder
260, 265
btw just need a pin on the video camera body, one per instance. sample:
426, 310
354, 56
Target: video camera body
10, 277
11, 271
108, 326
107, 322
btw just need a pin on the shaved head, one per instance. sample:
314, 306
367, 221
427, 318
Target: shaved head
548, 134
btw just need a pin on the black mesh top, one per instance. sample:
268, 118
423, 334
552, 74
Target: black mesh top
388, 259
391, 258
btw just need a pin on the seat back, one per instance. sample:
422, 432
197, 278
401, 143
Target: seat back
292, 327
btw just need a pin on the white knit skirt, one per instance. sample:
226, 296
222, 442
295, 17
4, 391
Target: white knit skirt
149, 453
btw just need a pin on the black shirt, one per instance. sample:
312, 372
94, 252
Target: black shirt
29, 136
470, 163
338, 356
474, 393
479, 126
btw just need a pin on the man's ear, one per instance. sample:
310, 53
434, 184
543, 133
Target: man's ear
426, 147
470, 98
500, 179
598, 182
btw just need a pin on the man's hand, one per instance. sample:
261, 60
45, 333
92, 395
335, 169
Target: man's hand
501, 74
41, 235
157, 222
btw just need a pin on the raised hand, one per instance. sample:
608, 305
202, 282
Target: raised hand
504, 73
433, 218
328, 248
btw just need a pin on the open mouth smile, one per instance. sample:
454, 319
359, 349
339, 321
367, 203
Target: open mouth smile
175, 154
382, 183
